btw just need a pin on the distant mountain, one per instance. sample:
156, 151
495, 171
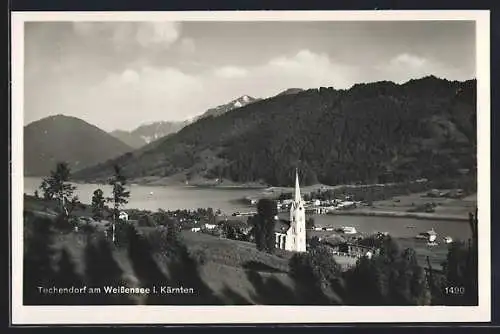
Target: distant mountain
147, 133
374, 132
62, 138
234, 104
291, 91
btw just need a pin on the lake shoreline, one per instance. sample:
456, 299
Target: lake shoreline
400, 215
236, 198
227, 184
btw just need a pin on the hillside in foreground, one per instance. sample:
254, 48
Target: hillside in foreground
209, 269
66, 139
221, 271
371, 133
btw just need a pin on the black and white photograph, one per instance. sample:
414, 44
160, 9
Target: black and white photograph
322, 163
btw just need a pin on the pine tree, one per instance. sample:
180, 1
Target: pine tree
98, 202
57, 186
119, 195
266, 212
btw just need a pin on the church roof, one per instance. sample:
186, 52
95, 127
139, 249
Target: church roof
297, 197
281, 226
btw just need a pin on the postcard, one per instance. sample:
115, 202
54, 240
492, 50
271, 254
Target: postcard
251, 167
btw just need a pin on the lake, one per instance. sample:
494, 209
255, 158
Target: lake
229, 200
164, 197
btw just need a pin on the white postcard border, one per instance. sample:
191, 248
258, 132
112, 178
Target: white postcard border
24, 315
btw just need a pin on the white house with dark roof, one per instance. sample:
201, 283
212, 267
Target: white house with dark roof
123, 216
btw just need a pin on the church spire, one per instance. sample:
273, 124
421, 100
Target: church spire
297, 187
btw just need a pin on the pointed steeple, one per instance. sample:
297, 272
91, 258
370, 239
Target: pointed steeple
297, 197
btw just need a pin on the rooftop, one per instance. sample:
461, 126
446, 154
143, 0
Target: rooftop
282, 226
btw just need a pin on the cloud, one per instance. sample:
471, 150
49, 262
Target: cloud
154, 33
123, 34
129, 76
299, 60
230, 72
187, 46
405, 66
408, 60
145, 95
309, 69
144, 92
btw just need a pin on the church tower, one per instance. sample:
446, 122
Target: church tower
296, 236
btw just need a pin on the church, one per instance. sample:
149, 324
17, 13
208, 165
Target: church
291, 235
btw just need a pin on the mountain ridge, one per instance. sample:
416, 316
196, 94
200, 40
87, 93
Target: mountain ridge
59, 138
423, 128
224, 108
146, 133
290, 91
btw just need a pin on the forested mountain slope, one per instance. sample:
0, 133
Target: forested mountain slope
369, 133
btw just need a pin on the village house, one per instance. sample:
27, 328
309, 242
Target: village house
352, 249
239, 226
123, 216
210, 226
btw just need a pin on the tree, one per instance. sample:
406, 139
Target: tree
57, 186
210, 216
366, 283
314, 242
390, 278
73, 204
310, 223
47, 190
317, 272
461, 270
407, 281
229, 231
264, 223
98, 203
119, 195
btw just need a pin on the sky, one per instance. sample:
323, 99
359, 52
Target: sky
119, 75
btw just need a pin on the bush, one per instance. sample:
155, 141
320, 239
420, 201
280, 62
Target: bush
199, 257
122, 234
88, 228
144, 220
63, 224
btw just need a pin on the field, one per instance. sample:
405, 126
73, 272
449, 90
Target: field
444, 206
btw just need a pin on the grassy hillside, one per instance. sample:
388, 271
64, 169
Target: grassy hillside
370, 133
61, 138
221, 271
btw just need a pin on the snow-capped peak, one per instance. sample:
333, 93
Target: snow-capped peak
246, 98
237, 104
